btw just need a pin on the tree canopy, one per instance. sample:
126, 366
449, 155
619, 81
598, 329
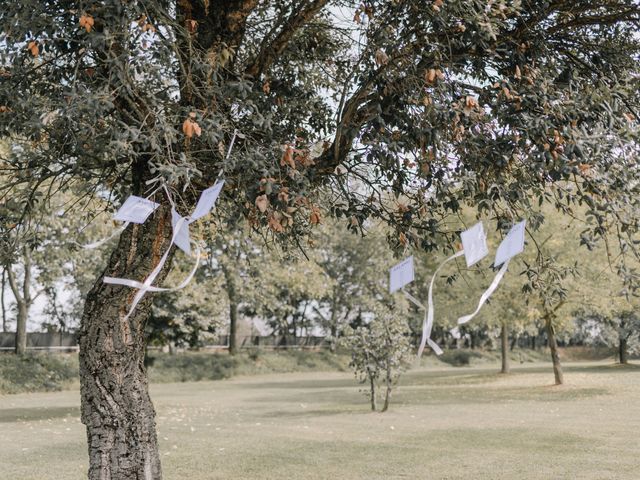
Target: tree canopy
399, 110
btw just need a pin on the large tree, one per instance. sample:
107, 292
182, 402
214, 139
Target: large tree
404, 109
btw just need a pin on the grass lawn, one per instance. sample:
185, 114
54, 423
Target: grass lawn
444, 423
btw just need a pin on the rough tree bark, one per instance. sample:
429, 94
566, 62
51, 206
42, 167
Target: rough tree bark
504, 343
116, 407
553, 346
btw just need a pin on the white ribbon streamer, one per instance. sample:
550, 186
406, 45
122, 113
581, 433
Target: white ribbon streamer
99, 243
146, 285
434, 346
427, 324
485, 296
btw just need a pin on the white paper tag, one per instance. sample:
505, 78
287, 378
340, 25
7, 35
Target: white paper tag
474, 243
181, 237
402, 274
207, 200
136, 210
512, 245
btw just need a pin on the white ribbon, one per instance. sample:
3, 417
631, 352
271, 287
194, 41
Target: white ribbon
146, 286
485, 296
99, 243
427, 324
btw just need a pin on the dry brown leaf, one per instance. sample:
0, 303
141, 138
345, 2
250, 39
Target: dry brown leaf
381, 57
403, 239
192, 25
86, 22
287, 157
33, 48
275, 223
471, 102
314, 218
187, 128
430, 76
191, 127
262, 202
518, 73
283, 195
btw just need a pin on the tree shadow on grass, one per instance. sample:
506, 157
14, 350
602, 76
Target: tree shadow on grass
298, 384
607, 369
407, 395
10, 415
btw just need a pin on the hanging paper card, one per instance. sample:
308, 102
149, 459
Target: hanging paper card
207, 200
136, 210
402, 274
512, 245
474, 243
180, 232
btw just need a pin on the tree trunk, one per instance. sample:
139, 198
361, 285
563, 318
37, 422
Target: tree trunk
333, 325
387, 397
373, 393
23, 299
5, 326
555, 358
21, 328
622, 351
232, 293
115, 403
504, 344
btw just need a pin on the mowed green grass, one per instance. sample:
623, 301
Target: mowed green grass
444, 423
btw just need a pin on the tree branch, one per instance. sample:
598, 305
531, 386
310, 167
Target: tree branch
13, 283
273, 50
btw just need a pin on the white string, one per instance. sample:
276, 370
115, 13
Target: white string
99, 243
427, 324
485, 296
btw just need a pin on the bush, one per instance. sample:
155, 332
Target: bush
43, 372
191, 367
459, 358
37, 372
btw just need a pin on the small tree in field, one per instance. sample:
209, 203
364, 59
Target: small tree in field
380, 353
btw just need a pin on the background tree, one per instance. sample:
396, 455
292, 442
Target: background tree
188, 318
620, 330
423, 108
356, 268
